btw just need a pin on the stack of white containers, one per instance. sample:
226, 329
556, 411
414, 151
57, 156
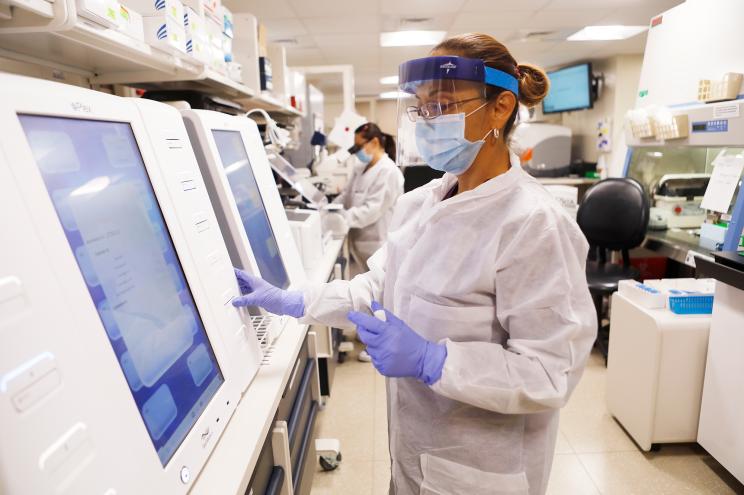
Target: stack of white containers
197, 42
163, 23
200, 28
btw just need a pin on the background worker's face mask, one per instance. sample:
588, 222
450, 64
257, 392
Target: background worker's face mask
363, 157
442, 143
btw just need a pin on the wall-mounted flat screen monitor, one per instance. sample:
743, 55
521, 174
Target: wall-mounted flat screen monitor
570, 89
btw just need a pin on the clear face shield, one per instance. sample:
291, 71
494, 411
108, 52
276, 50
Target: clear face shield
436, 97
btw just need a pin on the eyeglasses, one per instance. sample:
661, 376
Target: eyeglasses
435, 109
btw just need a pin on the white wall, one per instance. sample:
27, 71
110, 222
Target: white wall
382, 112
621, 74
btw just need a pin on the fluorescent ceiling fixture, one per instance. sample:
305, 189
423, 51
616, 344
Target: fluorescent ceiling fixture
391, 95
606, 33
389, 80
411, 38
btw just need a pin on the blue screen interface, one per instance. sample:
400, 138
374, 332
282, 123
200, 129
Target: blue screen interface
569, 90
251, 208
99, 186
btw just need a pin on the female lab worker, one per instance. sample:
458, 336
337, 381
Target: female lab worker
489, 321
368, 198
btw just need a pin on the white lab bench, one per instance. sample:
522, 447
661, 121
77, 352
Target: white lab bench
721, 430
655, 372
231, 465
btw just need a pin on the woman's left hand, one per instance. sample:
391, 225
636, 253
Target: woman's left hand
396, 349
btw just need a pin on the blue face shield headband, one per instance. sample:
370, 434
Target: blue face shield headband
439, 130
414, 72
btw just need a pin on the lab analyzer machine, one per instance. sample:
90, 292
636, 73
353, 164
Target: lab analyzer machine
122, 357
249, 210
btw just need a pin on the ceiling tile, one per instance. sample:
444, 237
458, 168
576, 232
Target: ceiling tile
441, 22
284, 28
347, 40
302, 41
321, 8
421, 8
502, 5
640, 16
582, 4
559, 19
528, 51
263, 10
305, 56
502, 35
481, 21
342, 24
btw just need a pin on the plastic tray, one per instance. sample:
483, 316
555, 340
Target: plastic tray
691, 305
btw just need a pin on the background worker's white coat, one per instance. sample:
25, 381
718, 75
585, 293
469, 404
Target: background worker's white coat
368, 201
498, 274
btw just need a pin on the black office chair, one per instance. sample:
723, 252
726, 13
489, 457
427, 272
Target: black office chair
613, 216
415, 176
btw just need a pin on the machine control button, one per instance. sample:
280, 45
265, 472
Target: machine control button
53, 457
185, 475
28, 383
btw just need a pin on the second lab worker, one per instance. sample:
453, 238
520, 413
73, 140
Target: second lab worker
369, 197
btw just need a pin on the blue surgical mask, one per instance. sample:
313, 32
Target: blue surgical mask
363, 157
442, 144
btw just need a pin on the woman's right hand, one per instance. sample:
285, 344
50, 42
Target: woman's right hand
258, 292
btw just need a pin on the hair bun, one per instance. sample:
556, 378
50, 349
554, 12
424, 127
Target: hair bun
533, 84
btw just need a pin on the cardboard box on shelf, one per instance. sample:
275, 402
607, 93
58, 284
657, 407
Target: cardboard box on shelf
235, 71
218, 59
227, 22
195, 5
263, 41
212, 9
214, 32
164, 32
131, 23
152, 8
103, 12
227, 43
194, 24
199, 48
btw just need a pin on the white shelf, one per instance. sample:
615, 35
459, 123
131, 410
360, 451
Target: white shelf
99, 51
41, 8
107, 56
270, 104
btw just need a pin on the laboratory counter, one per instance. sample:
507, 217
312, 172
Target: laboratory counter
677, 244
234, 458
580, 183
567, 181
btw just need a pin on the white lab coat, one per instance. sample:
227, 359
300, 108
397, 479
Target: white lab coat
497, 273
368, 201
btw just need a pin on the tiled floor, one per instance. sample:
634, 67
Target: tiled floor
593, 454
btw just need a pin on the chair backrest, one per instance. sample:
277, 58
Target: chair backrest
614, 214
415, 176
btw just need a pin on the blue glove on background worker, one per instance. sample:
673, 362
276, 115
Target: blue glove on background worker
258, 292
397, 350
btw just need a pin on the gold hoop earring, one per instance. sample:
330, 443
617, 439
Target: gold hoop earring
496, 134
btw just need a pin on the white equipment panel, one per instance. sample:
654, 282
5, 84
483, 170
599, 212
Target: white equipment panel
249, 210
118, 368
695, 40
721, 431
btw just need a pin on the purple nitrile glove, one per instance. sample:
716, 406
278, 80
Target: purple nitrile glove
397, 350
258, 292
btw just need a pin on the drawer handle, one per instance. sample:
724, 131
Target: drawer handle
305, 384
276, 481
304, 447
